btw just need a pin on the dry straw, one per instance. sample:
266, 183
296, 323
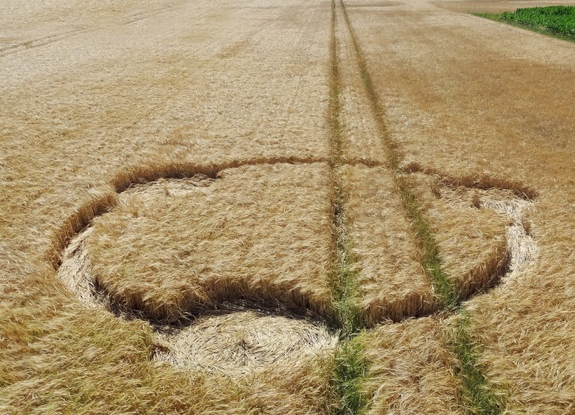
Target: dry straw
411, 369
240, 345
77, 222
392, 283
172, 248
232, 342
160, 98
471, 237
171, 110
243, 342
475, 181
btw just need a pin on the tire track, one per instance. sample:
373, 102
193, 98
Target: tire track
449, 297
47, 40
475, 385
350, 364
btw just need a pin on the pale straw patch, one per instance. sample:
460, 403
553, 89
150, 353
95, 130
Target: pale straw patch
480, 233
75, 272
244, 342
522, 246
237, 342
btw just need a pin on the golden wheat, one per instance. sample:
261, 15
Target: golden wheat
473, 100
472, 240
110, 112
241, 343
392, 283
261, 233
411, 369
85, 114
362, 143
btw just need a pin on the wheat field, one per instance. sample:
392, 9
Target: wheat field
272, 207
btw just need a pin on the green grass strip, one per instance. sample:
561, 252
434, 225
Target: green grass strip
344, 280
556, 21
430, 259
345, 291
350, 366
349, 371
480, 398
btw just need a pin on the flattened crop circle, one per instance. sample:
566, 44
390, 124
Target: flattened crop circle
241, 342
165, 254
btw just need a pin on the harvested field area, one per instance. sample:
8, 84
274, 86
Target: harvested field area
302, 206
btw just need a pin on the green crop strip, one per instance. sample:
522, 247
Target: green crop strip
556, 21
480, 398
349, 371
344, 280
430, 259
350, 365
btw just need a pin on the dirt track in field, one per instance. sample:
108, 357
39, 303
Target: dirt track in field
92, 91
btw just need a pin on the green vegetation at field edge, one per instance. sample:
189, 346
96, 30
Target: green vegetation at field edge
557, 21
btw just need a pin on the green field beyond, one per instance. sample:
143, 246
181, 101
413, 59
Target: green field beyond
553, 20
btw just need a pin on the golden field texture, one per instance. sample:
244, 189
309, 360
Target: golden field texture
112, 94
241, 343
411, 369
472, 98
215, 207
174, 247
392, 283
471, 238
362, 142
